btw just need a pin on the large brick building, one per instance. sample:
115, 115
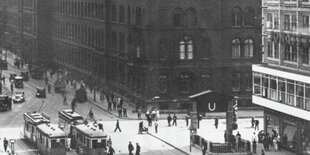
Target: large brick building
158, 52
281, 84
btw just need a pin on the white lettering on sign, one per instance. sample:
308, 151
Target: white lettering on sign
214, 107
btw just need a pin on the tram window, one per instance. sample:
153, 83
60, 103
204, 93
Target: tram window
97, 144
55, 144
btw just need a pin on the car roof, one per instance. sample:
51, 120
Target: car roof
18, 77
40, 87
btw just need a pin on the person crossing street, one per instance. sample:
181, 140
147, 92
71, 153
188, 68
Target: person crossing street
130, 148
138, 149
117, 127
174, 120
5, 144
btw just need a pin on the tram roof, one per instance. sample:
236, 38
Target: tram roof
35, 117
51, 130
91, 131
69, 115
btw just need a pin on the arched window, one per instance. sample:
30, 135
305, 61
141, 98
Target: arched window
184, 82
163, 83
236, 17
206, 48
236, 81
178, 17
248, 17
236, 48
248, 48
190, 18
186, 48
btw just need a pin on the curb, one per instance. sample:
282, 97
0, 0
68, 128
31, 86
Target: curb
169, 144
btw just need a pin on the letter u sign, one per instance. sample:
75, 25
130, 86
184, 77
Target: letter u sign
213, 108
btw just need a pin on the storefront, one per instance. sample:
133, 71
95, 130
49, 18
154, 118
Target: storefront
294, 133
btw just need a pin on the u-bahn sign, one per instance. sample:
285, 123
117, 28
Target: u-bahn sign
210, 101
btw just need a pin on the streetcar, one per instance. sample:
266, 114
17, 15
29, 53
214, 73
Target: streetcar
89, 140
31, 121
18, 82
5, 102
67, 119
51, 140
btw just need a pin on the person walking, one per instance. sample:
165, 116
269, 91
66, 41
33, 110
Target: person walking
139, 113
186, 120
100, 124
252, 122
125, 111
138, 149
204, 149
216, 123
65, 99
256, 125
49, 88
46, 80
263, 152
169, 118
119, 109
73, 104
254, 145
3, 79
91, 114
238, 140
117, 127
156, 126
174, 120
5, 144
130, 148
12, 87
111, 150
275, 143
109, 105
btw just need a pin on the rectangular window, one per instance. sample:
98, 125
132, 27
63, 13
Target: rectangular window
276, 21
269, 49
257, 84
294, 22
305, 23
276, 50
286, 22
269, 21
189, 51
305, 55
182, 51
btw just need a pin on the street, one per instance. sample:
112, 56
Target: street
11, 122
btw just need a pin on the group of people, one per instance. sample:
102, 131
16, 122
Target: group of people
173, 119
131, 149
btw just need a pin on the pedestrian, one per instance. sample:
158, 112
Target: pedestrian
100, 124
138, 148
238, 141
5, 144
111, 150
91, 114
186, 120
252, 122
169, 119
68, 144
65, 99
149, 120
156, 126
73, 84
109, 106
263, 152
225, 136
139, 113
12, 87
140, 127
130, 148
121, 101
46, 80
3, 79
114, 104
117, 127
119, 109
216, 123
204, 149
254, 145
256, 125
49, 88
73, 104
174, 120
275, 143
125, 111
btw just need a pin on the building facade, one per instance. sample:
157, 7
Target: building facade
281, 84
153, 52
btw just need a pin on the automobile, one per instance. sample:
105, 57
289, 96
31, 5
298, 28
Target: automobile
41, 92
5, 102
19, 97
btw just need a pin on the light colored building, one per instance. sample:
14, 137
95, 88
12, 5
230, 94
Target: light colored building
282, 83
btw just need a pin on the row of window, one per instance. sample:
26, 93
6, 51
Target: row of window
96, 10
82, 33
247, 45
243, 17
286, 91
291, 52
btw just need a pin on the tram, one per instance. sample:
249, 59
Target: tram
89, 139
67, 119
31, 121
51, 140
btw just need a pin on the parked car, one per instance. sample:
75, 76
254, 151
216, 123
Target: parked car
19, 97
41, 92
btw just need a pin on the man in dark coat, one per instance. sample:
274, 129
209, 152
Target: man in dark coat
117, 127
169, 120
186, 120
256, 125
138, 148
254, 145
5, 144
174, 120
73, 104
130, 148
216, 123
111, 150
